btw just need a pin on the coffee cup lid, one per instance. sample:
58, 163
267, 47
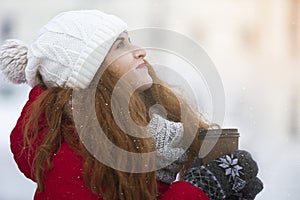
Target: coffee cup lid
228, 132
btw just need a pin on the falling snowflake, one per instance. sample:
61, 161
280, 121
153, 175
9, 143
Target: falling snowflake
231, 166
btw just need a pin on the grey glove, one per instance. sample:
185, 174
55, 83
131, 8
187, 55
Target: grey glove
232, 176
170, 156
253, 187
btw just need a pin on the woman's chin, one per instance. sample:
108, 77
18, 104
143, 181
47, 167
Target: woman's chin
145, 86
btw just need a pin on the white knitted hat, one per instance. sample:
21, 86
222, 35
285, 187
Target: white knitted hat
67, 51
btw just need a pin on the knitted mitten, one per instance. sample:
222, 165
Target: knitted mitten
229, 177
253, 187
170, 157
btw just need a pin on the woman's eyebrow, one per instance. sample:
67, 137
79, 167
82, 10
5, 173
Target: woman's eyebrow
120, 38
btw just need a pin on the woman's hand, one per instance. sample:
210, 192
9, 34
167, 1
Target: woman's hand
167, 136
232, 176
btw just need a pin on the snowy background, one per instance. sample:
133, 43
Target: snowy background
255, 45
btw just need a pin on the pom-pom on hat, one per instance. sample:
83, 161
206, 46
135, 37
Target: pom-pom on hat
67, 51
13, 60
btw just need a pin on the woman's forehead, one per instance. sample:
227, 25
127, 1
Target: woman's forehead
124, 33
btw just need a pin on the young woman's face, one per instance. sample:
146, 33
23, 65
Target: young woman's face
127, 61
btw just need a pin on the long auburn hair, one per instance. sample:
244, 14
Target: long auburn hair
54, 105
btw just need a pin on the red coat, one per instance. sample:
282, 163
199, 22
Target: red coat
65, 179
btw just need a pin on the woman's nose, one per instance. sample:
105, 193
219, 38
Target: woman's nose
139, 52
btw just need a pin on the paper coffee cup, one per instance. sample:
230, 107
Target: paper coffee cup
217, 143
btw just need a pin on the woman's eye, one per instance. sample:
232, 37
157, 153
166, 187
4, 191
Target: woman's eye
120, 44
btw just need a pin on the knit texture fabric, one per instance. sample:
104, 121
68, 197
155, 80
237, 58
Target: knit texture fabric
203, 178
170, 156
13, 60
230, 176
67, 51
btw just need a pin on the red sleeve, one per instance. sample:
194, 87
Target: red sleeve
181, 190
22, 157
162, 187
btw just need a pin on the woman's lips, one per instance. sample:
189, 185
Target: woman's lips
141, 66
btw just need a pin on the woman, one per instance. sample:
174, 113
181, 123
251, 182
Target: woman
56, 141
